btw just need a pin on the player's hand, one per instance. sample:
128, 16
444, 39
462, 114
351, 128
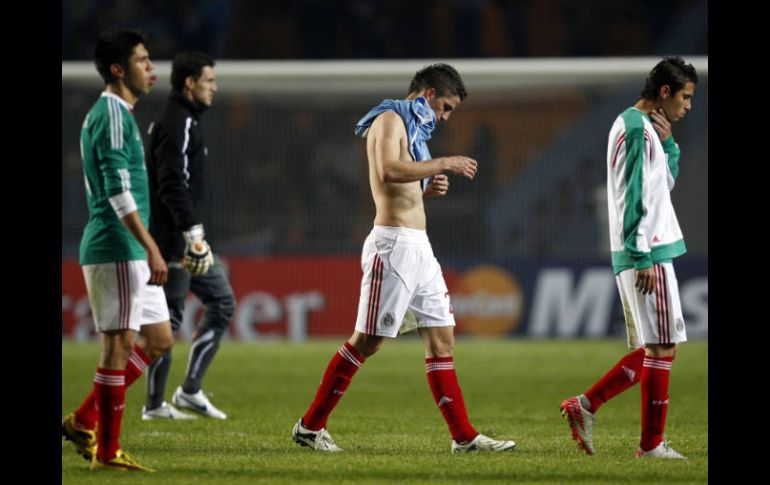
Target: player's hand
661, 124
460, 165
197, 258
439, 185
158, 268
645, 280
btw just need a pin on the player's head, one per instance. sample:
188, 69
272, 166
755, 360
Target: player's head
671, 83
192, 74
121, 56
442, 86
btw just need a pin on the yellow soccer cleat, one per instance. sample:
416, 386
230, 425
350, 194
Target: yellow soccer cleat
83, 439
121, 462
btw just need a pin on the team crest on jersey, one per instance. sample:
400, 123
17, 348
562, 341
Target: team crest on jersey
388, 320
679, 325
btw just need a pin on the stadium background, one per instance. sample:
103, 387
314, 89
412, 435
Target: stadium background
523, 246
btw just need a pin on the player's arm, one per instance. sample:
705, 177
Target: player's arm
172, 140
116, 176
663, 127
125, 207
635, 215
384, 144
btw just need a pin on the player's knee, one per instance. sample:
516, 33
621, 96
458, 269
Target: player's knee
123, 350
228, 307
661, 350
117, 349
159, 344
127, 346
165, 343
220, 312
371, 348
366, 345
441, 348
439, 342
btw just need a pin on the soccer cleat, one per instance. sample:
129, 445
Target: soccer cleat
83, 439
319, 440
660, 451
165, 411
483, 443
197, 402
581, 422
122, 462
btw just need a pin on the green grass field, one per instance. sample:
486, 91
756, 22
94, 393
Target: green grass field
388, 424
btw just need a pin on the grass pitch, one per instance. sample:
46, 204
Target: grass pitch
388, 424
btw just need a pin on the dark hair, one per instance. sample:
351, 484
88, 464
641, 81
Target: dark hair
115, 47
671, 71
442, 77
189, 63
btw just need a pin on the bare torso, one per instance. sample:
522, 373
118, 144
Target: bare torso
395, 177
398, 204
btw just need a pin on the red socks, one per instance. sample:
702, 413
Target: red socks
137, 363
653, 373
110, 394
625, 374
336, 380
654, 383
449, 398
86, 414
441, 378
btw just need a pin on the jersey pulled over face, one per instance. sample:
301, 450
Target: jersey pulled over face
443, 106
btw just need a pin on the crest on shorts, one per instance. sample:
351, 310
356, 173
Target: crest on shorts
387, 320
679, 325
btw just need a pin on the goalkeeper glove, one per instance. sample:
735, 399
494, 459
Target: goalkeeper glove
197, 254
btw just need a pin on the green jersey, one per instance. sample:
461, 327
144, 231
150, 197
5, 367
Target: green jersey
113, 162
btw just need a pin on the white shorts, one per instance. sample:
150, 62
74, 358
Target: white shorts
121, 298
400, 273
655, 318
